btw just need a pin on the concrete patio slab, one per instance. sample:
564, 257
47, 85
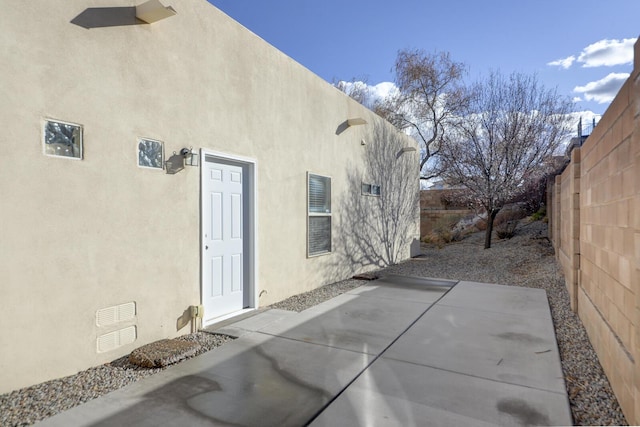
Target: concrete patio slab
254, 380
388, 355
415, 281
396, 393
411, 289
366, 325
251, 323
501, 299
502, 347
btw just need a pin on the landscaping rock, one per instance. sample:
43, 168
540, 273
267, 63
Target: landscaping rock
366, 276
163, 353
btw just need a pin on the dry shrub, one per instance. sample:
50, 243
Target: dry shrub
443, 231
507, 221
540, 214
427, 238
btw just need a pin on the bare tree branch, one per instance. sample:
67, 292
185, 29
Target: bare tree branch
428, 102
357, 88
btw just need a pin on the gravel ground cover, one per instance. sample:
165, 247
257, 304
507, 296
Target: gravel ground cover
525, 260
32, 404
306, 300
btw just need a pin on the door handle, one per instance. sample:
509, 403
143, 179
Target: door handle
206, 247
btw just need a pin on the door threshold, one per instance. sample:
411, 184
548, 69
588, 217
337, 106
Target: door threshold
217, 321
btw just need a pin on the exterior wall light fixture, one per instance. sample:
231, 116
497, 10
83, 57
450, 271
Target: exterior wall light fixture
177, 162
190, 158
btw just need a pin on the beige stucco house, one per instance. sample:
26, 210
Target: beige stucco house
152, 167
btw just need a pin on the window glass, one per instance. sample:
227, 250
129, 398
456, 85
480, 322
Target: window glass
319, 214
319, 234
319, 194
370, 189
62, 139
150, 153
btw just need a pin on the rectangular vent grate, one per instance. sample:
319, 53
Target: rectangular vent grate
115, 339
115, 314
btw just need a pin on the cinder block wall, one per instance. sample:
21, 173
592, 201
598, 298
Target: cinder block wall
568, 253
595, 208
431, 199
432, 209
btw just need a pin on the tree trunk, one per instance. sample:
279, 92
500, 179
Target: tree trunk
491, 215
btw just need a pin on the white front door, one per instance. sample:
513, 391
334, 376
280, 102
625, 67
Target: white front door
223, 227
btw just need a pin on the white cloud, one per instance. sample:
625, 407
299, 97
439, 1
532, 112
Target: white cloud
603, 90
588, 120
586, 116
603, 53
576, 99
607, 53
371, 93
382, 90
563, 63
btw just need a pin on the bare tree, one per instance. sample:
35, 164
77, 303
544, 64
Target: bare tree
512, 125
428, 101
357, 88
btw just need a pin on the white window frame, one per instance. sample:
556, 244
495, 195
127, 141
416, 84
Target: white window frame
319, 214
62, 122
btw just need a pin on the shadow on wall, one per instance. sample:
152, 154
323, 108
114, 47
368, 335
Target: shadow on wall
376, 230
342, 127
99, 17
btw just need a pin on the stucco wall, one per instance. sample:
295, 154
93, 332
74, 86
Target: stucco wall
82, 235
607, 292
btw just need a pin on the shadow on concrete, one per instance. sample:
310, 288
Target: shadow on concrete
398, 351
283, 376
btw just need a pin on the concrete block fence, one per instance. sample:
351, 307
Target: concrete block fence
594, 214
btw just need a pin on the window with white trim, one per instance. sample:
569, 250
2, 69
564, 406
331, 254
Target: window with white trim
318, 214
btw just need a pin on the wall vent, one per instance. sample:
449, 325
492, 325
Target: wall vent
115, 314
115, 339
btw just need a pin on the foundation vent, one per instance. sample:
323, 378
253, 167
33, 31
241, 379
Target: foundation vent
115, 314
115, 339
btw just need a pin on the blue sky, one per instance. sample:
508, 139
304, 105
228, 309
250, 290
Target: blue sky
342, 40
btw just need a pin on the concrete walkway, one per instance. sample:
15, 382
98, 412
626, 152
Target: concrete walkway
400, 351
